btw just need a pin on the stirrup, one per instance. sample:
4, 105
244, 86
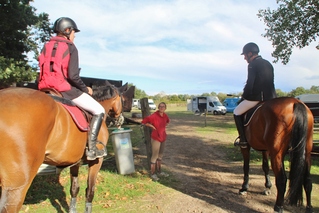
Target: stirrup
95, 153
242, 144
100, 153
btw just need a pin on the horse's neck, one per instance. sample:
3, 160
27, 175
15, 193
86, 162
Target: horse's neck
110, 104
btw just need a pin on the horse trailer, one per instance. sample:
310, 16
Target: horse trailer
209, 104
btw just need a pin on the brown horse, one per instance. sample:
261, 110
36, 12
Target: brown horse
280, 126
35, 129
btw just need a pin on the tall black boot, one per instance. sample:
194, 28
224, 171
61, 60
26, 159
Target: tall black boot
95, 126
241, 131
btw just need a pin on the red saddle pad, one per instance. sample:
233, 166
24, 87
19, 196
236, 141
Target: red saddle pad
77, 116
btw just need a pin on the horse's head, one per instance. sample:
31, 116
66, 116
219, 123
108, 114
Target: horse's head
110, 97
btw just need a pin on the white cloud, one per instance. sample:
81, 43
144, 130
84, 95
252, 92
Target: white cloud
175, 45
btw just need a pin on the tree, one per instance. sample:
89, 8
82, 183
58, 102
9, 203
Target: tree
295, 23
138, 93
14, 71
297, 91
22, 32
280, 93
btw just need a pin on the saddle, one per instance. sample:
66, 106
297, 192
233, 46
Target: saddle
250, 113
80, 117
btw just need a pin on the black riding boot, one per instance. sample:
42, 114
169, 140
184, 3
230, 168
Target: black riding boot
241, 131
93, 152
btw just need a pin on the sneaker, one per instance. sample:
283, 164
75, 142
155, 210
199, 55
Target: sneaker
163, 174
154, 177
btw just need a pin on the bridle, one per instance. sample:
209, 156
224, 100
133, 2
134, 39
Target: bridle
116, 121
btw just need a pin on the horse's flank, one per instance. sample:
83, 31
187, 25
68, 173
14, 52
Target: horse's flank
34, 129
282, 126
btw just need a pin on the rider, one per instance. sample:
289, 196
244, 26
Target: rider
259, 87
74, 88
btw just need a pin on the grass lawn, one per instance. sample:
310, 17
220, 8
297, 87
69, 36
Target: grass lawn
50, 193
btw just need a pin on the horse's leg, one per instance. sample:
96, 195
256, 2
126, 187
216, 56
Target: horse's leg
94, 168
14, 185
246, 155
74, 188
308, 185
265, 166
281, 182
12, 198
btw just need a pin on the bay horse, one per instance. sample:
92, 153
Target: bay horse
35, 129
278, 127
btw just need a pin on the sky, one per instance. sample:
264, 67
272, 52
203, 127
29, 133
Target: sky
177, 46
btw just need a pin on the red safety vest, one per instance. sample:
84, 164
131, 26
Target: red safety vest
54, 62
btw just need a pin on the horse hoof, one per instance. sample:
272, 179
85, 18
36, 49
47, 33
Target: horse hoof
278, 209
242, 192
267, 192
309, 209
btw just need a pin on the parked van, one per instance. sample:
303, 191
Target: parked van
231, 103
151, 104
135, 102
211, 104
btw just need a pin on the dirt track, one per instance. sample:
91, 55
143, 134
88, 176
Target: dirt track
205, 180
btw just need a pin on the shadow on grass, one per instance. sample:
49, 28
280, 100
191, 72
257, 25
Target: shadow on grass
47, 187
195, 155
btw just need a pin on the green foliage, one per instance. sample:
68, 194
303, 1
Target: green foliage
14, 71
280, 93
301, 90
295, 23
138, 94
182, 98
22, 32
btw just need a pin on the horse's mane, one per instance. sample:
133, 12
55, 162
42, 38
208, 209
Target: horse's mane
103, 90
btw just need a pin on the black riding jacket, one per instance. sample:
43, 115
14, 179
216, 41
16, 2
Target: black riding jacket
260, 82
77, 85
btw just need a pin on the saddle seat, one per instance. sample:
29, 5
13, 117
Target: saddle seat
250, 113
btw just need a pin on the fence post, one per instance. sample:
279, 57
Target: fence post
205, 117
147, 130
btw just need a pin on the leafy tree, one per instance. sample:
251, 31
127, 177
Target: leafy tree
314, 89
222, 96
295, 23
206, 94
174, 98
14, 71
138, 94
22, 32
297, 91
280, 93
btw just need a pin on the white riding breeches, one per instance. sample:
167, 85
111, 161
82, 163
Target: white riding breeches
88, 103
244, 106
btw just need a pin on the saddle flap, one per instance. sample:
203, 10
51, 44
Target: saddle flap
80, 117
250, 113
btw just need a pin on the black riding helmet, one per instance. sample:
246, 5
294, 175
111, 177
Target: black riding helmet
250, 47
63, 23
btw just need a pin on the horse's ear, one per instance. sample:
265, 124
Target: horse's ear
107, 83
123, 88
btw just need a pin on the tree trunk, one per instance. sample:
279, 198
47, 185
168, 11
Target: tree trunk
147, 130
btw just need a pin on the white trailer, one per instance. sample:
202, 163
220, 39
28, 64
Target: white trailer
209, 104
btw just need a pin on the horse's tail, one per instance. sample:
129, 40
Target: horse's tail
297, 155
